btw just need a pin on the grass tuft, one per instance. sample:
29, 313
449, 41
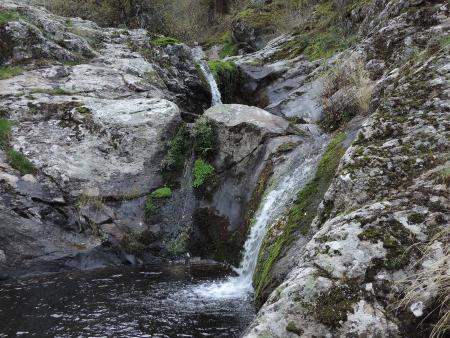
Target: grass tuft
5, 132
203, 171
8, 16
20, 162
8, 72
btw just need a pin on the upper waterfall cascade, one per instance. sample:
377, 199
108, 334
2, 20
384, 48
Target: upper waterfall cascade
208, 75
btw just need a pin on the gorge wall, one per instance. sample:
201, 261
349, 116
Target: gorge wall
105, 159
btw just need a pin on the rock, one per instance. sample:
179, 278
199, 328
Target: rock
242, 129
2, 257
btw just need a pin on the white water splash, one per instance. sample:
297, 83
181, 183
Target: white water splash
207, 74
295, 175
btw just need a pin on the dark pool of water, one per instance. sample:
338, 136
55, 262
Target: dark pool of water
121, 302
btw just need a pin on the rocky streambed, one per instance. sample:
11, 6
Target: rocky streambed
323, 178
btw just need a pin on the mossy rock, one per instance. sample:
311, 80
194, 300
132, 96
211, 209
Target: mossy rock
226, 75
299, 218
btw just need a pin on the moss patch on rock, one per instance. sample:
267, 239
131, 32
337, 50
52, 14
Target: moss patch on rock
396, 239
8, 16
8, 72
203, 172
20, 162
162, 41
300, 217
226, 74
177, 151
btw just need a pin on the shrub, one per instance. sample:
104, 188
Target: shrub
7, 72
8, 16
346, 93
5, 132
20, 162
203, 171
174, 159
204, 137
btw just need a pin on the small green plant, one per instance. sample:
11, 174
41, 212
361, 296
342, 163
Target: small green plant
164, 192
202, 172
83, 110
204, 137
152, 204
20, 162
5, 132
174, 160
8, 16
8, 72
164, 41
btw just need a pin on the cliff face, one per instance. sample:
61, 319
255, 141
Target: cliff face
382, 224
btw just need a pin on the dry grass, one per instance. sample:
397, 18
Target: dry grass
434, 279
347, 92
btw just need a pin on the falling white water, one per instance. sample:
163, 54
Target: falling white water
293, 177
207, 74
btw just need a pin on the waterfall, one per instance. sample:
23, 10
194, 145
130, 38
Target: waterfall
208, 75
286, 183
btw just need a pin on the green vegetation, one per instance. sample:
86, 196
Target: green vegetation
332, 307
291, 327
96, 201
286, 147
162, 41
229, 47
178, 245
8, 16
164, 192
174, 159
396, 240
135, 243
7, 72
203, 171
204, 137
5, 132
54, 91
300, 215
154, 200
20, 162
226, 75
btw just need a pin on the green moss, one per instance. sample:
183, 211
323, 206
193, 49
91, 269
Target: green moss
176, 154
83, 110
396, 240
300, 215
20, 162
286, 147
164, 192
8, 16
332, 307
204, 137
226, 75
416, 218
5, 132
229, 47
7, 72
150, 207
54, 91
203, 171
164, 41
291, 327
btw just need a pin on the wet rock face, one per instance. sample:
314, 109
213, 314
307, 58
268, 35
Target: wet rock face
94, 119
375, 229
